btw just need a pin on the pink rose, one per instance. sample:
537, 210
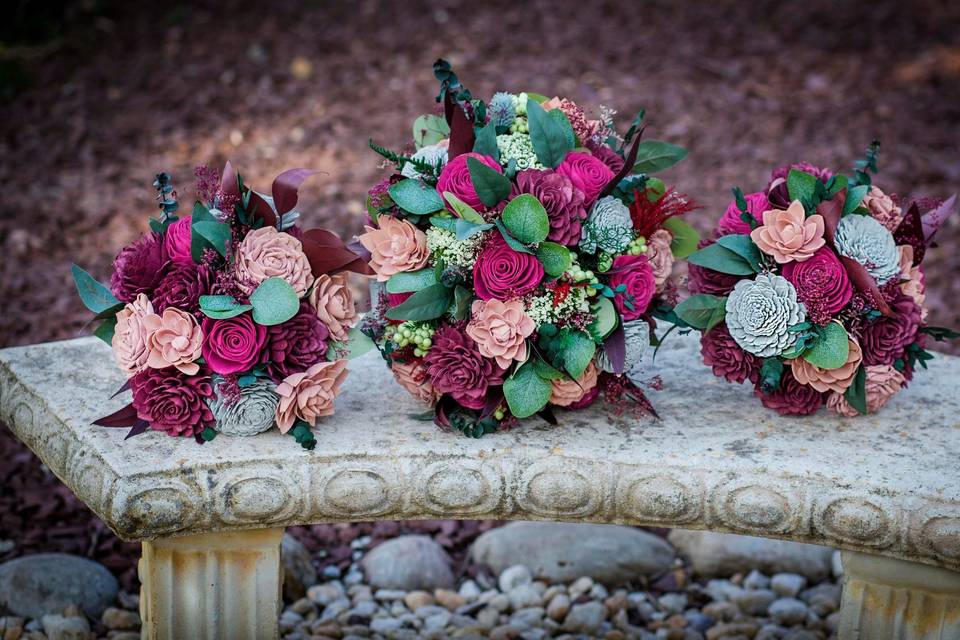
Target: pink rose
332, 300
177, 241
730, 221
823, 380
660, 256
566, 392
413, 377
883, 382
309, 395
232, 345
394, 247
267, 253
789, 235
130, 348
587, 173
882, 208
174, 340
455, 178
500, 330
502, 273
635, 273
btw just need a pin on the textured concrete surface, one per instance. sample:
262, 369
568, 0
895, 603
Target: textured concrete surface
885, 484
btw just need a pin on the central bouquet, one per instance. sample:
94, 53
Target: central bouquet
523, 251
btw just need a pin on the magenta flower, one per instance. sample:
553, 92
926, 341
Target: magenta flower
139, 268
722, 354
731, 222
456, 367
587, 173
634, 272
455, 178
792, 398
177, 241
884, 340
822, 284
502, 273
182, 287
297, 344
232, 345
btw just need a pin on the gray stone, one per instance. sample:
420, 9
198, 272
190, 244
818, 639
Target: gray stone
298, 570
788, 611
698, 620
722, 589
770, 632
755, 602
32, 586
823, 599
429, 610
561, 552
673, 602
524, 595
385, 625
585, 618
788, 585
324, 594
388, 595
59, 627
513, 576
724, 554
488, 617
580, 586
408, 562
289, 620
469, 590
527, 617
756, 580
120, 619
437, 621
836, 565
559, 607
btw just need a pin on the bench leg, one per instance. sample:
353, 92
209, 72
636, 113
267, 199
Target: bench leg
211, 586
889, 599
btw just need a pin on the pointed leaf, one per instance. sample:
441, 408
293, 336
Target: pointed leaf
491, 186
933, 219
801, 185
285, 188
414, 196
486, 143
462, 209
410, 281
427, 304
526, 392
95, 296
461, 129
461, 303
654, 156
855, 196
139, 427
215, 233
327, 253
465, 230
720, 259
702, 311
615, 349
105, 330
125, 417
743, 246
513, 243
547, 135
274, 302
856, 393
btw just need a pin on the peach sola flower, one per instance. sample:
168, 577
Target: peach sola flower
332, 300
394, 247
789, 235
912, 280
660, 256
310, 394
267, 253
883, 382
413, 377
823, 380
130, 346
500, 330
566, 392
175, 340
882, 208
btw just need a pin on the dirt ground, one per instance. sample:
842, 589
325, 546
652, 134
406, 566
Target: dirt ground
109, 96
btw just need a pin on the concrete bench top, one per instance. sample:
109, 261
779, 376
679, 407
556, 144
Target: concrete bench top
886, 484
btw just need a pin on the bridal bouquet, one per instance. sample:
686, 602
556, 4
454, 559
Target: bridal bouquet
813, 290
229, 320
522, 250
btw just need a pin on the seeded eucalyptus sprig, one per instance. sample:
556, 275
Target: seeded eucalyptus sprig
166, 202
863, 167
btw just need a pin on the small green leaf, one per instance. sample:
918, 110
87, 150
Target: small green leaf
743, 246
486, 143
548, 136
105, 330
222, 307
526, 219
227, 313
547, 371
702, 311
95, 296
771, 373
685, 237
197, 242
856, 393
654, 156
461, 303
274, 302
491, 186
217, 234
409, 281
577, 353
565, 125
526, 392
855, 196
358, 343
604, 318
801, 185
465, 230
554, 257
462, 209
720, 259
832, 349
414, 196
514, 244
429, 129
427, 304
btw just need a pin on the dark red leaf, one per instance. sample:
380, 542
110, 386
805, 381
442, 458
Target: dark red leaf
260, 208
910, 231
932, 220
462, 135
125, 417
615, 348
285, 188
327, 253
548, 416
865, 283
125, 387
138, 428
627, 165
228, 182
830, 211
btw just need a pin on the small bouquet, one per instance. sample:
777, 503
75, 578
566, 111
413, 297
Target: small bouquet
813, 291
523, 252
230, 320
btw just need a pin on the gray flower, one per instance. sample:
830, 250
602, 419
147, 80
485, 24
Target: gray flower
637, 341
609, 227
503, 109
868, 242
760, 312
433, 154
251, 413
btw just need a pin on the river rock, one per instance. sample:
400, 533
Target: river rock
59, 627
788, 611
585, 618
298, 570
562, 552
32, 586
409, 562
724, 554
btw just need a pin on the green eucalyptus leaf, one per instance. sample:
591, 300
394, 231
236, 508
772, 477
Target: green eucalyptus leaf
462, 209
526, 219
427, 304
95, 296
274, 302
526, 392
723, 260
217, 234
702, 311
357, 344
486, 142
685, 237
409, 281
491, 186
605, 318
832, 349
548, 136
546, 370
578, 351
801, 185
105, 330
856, 393
654, 156
429, 129
464, 229
743, 246
855, 196
554, 257
514, 244
415, 197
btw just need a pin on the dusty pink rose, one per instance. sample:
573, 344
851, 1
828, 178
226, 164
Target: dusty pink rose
500, 330
824, 380
332, 300
502, 273
309, 395
566, 391
789, 235
413, 377
455, 178
634, 272
267, 253
882, 208
587, 173
912, 280
883, 382
394, 247
130, 347
660, 256
174, 340
177, 241
731, 222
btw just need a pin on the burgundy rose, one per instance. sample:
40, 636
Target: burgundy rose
563, 202
502, 273
182, 287
456, 367
296, 344
588, 399
587, 173
455, 178
177, 241
792, 398
634, 272
139, 268
703, 280
722, 354
822, 284
731, 221
171, 401
232, 345
607, 155
777, 190
884, 340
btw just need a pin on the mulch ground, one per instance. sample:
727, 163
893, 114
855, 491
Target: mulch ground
94, 108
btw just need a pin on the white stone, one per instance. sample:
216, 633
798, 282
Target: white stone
788, 611
59, 627
756, 580
407, 563
754, 601
514, 576
35, 585
788, 585
585, 618
721, 554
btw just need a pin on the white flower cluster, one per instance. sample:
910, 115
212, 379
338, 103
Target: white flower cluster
434, 155
868, 242
444, 245
518, 147
542, 310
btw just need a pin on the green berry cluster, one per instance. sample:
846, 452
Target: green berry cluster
637, 246
417, 334
578, 274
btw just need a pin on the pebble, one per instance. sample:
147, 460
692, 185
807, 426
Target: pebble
788, 611
389, 595
732, 629
289, 620
449, 599
514, 576
488, 617
724, 554
559, 607
469, 591
580, 586
836, 565
408, 562
437, 621
585, 618
823, 599
385, 625
788, 585
527, 617
756, 580
755, 602
416, 599
673, 602
525, 595
120, 619
58, 627
324, 594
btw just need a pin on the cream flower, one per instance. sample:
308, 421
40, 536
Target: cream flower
912, 280
789, 235
829, 379
130, 348
660, 256
882, 208
566, 391
394, 247
332, 299
500, 330
760, 313
413, 377
266, 253
309, 395
883, 382
252, 412
173, 340
865, 240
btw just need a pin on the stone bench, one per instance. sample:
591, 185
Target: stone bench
885, 489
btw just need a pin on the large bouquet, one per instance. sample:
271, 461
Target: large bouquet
230, 320
813, 291
523, 250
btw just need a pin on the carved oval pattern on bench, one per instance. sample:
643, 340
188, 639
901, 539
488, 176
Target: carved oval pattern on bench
752, 507
459, 487
256, 499
359, 490
943, 535
551, 488
657, 498
852, 519
155, 510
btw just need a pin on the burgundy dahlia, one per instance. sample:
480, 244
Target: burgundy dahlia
139, 268
822, 284
722, 354
456, 367
777, 190
792, 398
884, 340
182, 287
607, 155
296, 345
171, 401
703, 280
562, 200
